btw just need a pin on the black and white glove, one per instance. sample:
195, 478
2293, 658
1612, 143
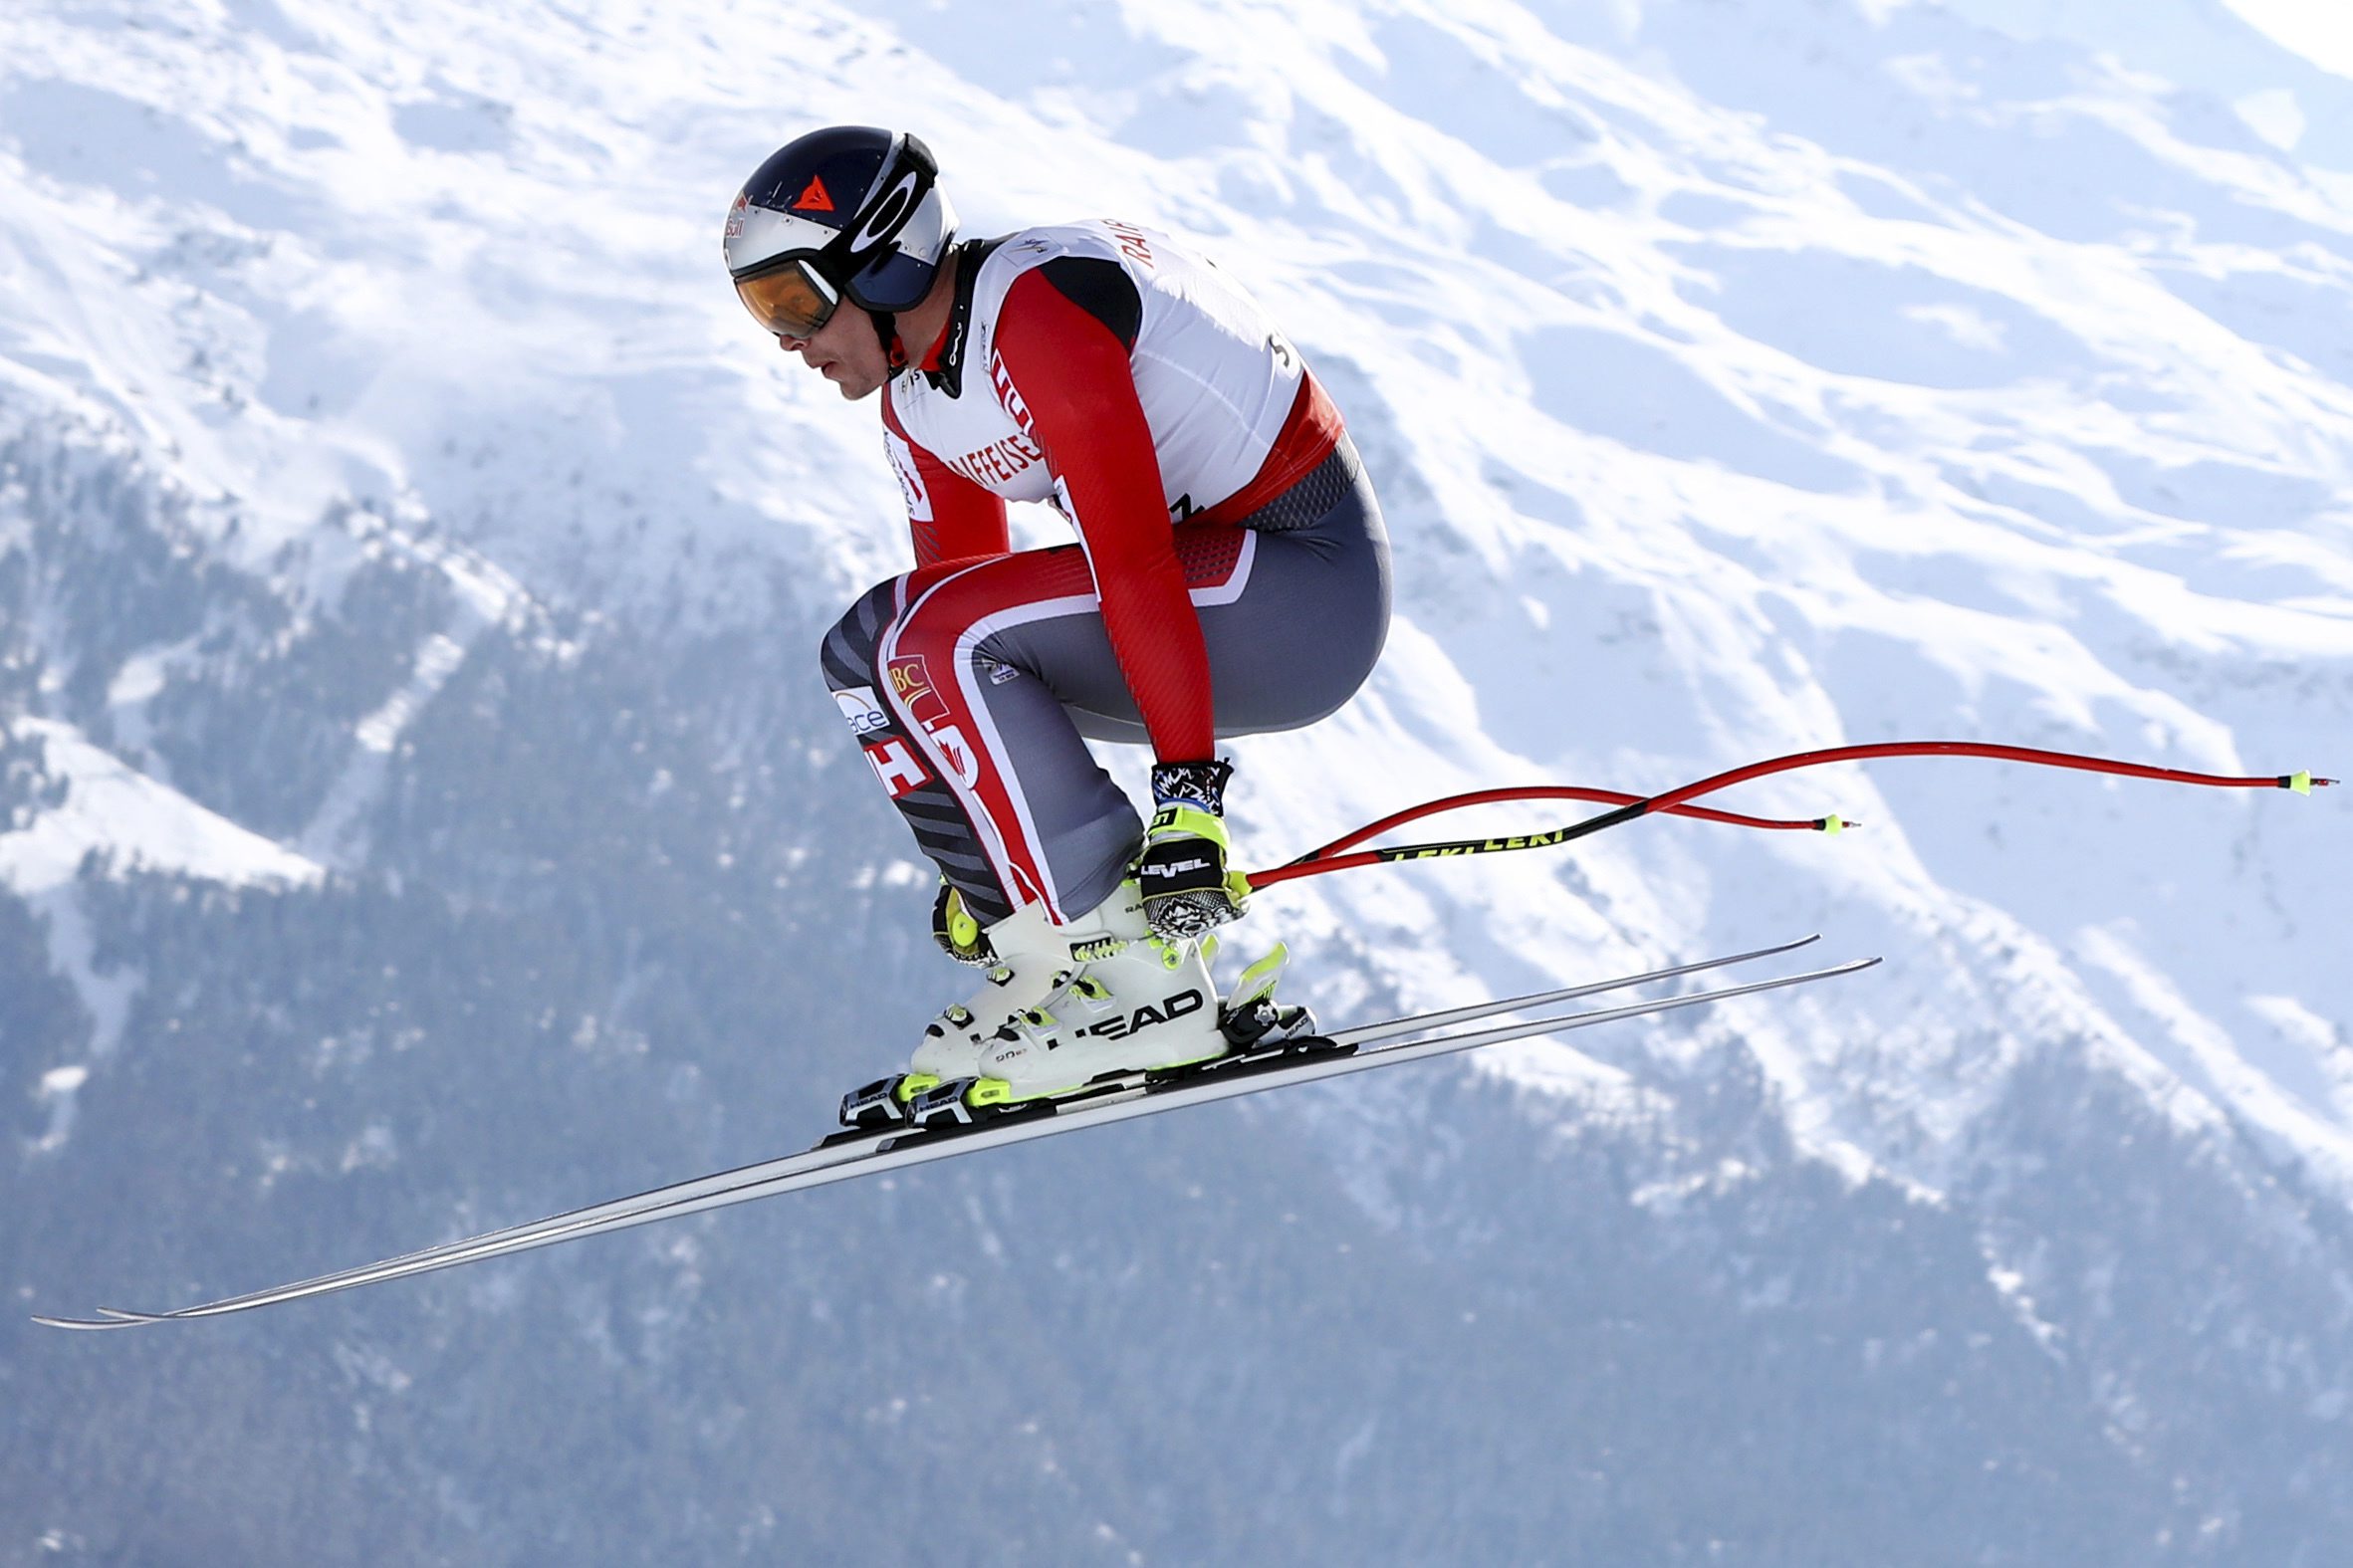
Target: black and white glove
1182, 871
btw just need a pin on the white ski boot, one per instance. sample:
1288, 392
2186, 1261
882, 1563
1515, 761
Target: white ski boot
1149, 1008
1033, 959
1151, 1005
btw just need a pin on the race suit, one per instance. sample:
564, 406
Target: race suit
1231, 576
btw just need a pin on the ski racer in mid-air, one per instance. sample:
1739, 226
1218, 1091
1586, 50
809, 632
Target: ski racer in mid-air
1231, 576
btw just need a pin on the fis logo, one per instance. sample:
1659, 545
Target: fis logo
1183, 1004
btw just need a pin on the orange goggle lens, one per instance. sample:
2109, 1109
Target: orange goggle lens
789, 301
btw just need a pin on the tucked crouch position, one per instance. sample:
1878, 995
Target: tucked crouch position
1231, 576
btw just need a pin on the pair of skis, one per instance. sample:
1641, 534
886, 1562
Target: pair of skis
850, 1155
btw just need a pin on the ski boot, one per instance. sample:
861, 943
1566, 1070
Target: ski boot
1145, 1013
1028, 959
1151, 1005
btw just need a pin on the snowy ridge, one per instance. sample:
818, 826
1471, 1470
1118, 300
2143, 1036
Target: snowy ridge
407, 545
107, 809
1786, 430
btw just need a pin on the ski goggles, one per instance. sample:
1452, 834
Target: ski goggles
787, 298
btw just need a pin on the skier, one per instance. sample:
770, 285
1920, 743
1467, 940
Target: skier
1231, 578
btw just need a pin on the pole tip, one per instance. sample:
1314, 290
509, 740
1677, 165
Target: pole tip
2302, 782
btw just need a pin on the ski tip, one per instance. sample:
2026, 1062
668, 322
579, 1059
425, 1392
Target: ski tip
120, 1316
84, 1325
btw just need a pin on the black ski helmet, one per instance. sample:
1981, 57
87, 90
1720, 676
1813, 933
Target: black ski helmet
849, 212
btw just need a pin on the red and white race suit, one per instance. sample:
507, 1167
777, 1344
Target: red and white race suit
1231, 574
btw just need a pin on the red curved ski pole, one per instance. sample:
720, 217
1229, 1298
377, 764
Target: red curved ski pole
1673, 800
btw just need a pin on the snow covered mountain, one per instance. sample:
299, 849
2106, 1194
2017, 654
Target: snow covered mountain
418, 808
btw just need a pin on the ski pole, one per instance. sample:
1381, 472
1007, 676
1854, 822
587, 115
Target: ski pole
1672, 801
1457, 802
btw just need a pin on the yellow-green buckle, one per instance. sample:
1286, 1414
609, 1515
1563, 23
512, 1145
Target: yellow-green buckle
1258, 981
911, 1084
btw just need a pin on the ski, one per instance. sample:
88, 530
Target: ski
850, 1155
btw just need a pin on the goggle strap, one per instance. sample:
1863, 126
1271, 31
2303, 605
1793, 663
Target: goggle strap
910, 159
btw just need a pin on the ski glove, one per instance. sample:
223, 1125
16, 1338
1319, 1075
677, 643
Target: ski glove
1182, 871
956, 931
